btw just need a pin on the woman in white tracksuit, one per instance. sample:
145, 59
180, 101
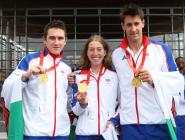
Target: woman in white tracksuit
98, 103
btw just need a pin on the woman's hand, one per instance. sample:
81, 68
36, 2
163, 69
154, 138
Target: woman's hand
82, 99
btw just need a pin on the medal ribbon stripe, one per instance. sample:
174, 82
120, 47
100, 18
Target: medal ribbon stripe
133, 67
124, 45
136, 82
87, 82
50, 68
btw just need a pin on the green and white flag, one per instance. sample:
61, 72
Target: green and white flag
12, 96
168, 84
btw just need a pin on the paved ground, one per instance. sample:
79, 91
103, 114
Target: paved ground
3, 135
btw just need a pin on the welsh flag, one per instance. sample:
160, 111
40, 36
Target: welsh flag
11, 99
168, 84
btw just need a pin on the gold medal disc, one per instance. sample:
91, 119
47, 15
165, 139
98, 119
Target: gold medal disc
136, 82
43, 78
82, 87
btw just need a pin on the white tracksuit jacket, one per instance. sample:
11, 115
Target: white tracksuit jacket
88, 121
44, 105
141, 105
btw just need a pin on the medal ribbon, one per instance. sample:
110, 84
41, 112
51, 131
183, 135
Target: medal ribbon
87, 82
50, 68
133, 67
124, 45
89, 74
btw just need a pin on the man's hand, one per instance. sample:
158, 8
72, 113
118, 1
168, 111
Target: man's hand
145, 76
35, 70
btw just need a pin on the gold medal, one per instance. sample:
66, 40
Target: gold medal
43, 78
136, 82
82, 87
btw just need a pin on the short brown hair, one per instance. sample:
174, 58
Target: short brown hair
54, 24
84, 60
131, 9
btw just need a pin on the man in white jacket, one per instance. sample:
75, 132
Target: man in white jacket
35, 94
145, 80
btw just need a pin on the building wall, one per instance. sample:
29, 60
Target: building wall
25, 27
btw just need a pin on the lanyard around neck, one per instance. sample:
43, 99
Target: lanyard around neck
124, 45
133, 67
50, 68
89, 75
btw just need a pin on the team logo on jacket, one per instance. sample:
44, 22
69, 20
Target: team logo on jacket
62, 71
107, 80
124, 57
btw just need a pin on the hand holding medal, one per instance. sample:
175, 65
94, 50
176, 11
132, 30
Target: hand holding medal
145, 76
82, 94
82, 87
43, 78
35, 70
137, 81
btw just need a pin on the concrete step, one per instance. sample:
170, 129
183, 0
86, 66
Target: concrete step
3, 136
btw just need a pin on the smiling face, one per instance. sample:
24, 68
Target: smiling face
133, 26
96, 53
55, 40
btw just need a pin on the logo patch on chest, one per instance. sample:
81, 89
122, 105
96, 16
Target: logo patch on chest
62, 71
124, 57
107, 80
